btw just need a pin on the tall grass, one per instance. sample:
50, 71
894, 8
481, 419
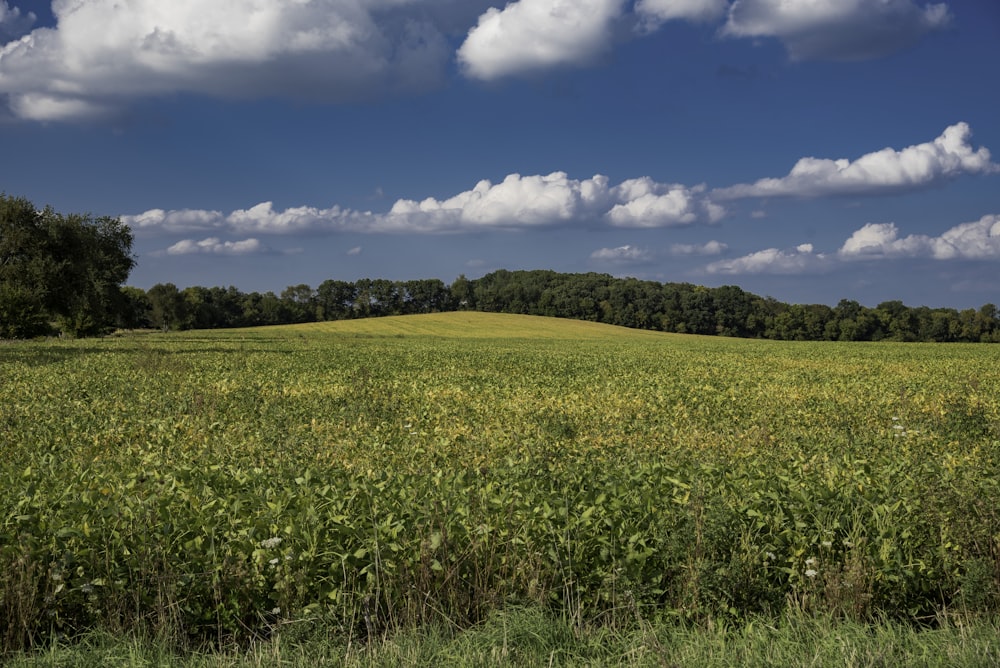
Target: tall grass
533, 637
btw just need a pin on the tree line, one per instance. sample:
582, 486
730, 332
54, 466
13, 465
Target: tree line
65, 274
629, 302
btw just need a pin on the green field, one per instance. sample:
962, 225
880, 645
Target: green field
392, 473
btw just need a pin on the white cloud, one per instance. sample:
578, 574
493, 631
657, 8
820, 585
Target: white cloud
710, 248
102, 52
979, 240
259, 219
179, 220
537, 200
355, 251
885, 171
516, 202
215, 246
622, 255
837, 29
531, 34
645, 203
263, 219
798, 260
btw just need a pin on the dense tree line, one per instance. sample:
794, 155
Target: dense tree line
669, 307
60, 273
64, 273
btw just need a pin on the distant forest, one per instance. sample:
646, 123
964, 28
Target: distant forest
629, 302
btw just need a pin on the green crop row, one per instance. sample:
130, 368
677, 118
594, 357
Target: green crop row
226, 484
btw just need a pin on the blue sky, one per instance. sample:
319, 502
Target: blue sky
810, 150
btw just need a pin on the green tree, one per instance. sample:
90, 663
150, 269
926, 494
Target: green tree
168, 308
67, 269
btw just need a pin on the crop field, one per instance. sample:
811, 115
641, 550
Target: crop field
387, 473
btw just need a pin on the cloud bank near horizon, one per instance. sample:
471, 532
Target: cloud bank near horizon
556, 199
887, 171
516, 202
977, 240
102, 54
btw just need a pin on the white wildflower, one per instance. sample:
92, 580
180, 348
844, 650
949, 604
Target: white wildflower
811, 561
276, 611
827, 544
270, 543
274, 562
810, 573
771, 556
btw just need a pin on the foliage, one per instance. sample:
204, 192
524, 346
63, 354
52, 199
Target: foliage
382, 474
62, 268
669, 307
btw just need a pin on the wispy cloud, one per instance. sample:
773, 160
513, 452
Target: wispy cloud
836, 29
622, 255
708, 248
799, 260
13, 22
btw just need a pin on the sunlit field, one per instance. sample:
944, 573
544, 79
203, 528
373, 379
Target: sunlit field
390, 473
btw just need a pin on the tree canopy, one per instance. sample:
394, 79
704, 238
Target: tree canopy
60, 272
629, 302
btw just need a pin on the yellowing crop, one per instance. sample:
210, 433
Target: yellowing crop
397, 470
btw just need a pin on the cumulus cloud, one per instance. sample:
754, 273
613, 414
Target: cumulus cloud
645, 203
516, 202
837, 29
710, 248
551, 199
798, 260
102, 52
532, 34
978, 240
622, 255
259, 219
215, 246
882, 172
